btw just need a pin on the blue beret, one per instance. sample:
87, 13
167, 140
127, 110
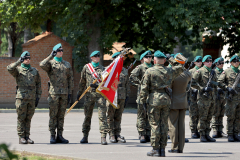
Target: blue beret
206, 57
159, 54
95, 53
116, 54
177, 54
234, 57
197, 58
145, 53
218, 59
25, 53
59, 45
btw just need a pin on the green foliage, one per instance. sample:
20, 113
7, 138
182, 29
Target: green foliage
5, 153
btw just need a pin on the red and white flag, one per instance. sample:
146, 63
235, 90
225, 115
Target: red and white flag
110, 78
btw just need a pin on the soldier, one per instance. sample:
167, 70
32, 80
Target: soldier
114, 116
60, 91
143, 126
28, 94
92, 97
217, 119
206, 98
226, 81
193, 108
153, 87
176, 119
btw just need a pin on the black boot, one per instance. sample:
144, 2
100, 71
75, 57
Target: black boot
103, 141
215, 134
195, 135
84, 140
203, 138
154, 153
230, 138
210, 139
168, 136
162, 152
52, 139
22, 141
147, 138
186, 140
60, 139
29, 141
222, 134
120, 139
173, 151
236, 138
113, 139
142, 139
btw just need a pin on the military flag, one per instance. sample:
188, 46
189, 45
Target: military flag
110, 78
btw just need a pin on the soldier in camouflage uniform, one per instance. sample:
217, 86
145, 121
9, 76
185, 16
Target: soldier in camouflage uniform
226, 81
60, 91
153, 85
114, 116
217, 119
28, 94
205, 98
143, 127
193, 108
92, 97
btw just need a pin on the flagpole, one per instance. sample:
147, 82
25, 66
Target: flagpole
75, 103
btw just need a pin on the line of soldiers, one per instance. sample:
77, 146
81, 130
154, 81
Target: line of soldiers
210, 98
154, 98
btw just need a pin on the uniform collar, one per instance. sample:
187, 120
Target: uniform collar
196, 67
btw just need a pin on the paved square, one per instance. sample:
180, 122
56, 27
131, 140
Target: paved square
132, 150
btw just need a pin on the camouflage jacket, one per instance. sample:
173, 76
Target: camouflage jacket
60, 75
28, 81
155, 80
87, 79
136, 77
201, 77
123, 85
227, 79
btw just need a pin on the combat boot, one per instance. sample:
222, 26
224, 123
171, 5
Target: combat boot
162, 152
120, 139
230, 138
203, 138
103, 141
142, 139
194, 135
222, 134
147, 138
210, 139
52, 139
154, 153
215, 134
60, 139
186, 140
113, 139
84, 140
29, 141
22, 141
236, 138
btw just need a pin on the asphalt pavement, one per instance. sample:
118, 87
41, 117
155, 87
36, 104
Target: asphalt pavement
132, 150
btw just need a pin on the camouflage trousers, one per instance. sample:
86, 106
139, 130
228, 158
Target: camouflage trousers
25, 110
90, 100
158, 119
193, 115
206, 109
57, 109
217, 119
143, 125
114, 117
233, 117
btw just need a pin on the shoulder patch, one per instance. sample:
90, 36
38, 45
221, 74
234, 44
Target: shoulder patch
196, 70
